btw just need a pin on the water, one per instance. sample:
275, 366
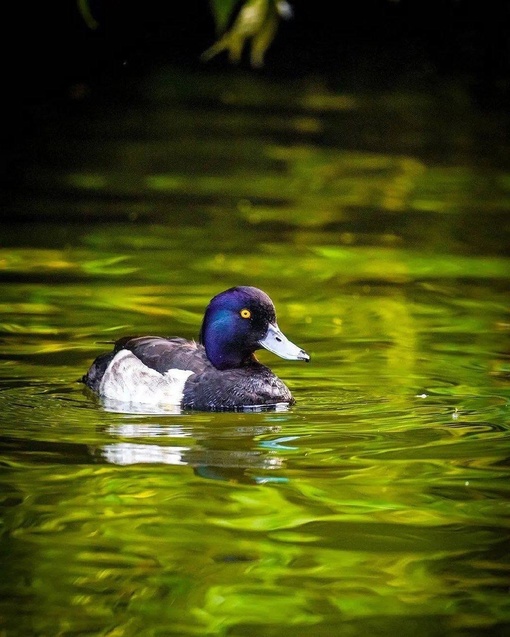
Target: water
378, 223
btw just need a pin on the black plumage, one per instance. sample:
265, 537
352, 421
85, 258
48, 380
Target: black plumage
207, 388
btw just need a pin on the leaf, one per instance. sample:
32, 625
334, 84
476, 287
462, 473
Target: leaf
86, 14
263, 38
257, 20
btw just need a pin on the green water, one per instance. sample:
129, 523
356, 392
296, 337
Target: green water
379, 224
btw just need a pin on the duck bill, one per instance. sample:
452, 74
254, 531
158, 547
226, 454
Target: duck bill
275, 341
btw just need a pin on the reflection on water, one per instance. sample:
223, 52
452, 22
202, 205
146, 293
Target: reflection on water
208, 456
379, 226
124, 407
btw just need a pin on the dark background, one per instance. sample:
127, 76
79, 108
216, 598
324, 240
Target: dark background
364, 44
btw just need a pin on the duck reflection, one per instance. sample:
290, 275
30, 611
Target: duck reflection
222, 454
164, 409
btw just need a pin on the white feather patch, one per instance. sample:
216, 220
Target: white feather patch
128, 380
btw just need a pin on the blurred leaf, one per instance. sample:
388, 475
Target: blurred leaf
86, 14
263, 38
257, 20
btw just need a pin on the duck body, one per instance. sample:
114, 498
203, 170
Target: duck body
218, 373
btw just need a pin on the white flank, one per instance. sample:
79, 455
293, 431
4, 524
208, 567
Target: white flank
128, 380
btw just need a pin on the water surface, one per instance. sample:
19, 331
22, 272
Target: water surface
378, 223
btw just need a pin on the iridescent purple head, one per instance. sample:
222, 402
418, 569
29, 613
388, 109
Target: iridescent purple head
239, 321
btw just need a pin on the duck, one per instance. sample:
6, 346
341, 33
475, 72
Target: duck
218, 373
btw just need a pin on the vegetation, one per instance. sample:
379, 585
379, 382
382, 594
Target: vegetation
257, 21
250, 22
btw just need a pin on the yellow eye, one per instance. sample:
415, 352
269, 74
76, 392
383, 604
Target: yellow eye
245, 313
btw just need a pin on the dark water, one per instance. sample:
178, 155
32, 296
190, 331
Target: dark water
379, 224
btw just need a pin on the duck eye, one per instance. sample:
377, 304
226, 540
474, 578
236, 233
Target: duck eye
245, 313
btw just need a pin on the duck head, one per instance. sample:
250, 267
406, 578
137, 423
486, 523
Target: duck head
240, 321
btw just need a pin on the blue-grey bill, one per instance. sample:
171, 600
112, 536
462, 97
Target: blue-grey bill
275, 341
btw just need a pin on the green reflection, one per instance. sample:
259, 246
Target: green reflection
379, 502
